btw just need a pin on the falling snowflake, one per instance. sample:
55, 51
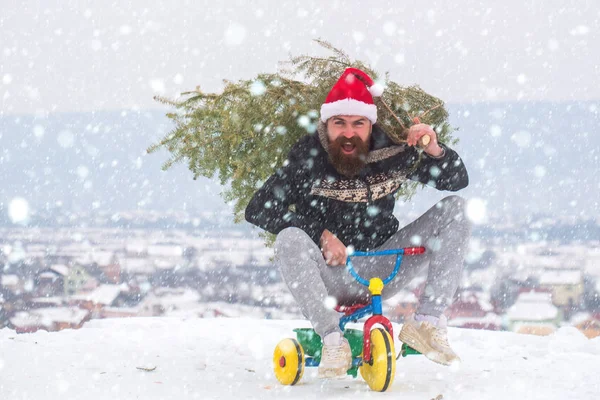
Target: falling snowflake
258, 88
330, 302
476, 211
18, 210
235, 34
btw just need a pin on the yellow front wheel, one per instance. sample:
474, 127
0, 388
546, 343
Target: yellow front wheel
288, 361
379, 373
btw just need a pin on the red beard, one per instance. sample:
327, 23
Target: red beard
348, 164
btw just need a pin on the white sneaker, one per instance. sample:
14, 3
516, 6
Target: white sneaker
430, 338
336, 356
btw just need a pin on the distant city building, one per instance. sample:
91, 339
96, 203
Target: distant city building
533, 313
566, 286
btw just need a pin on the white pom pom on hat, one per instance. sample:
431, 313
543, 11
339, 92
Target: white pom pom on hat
376, 90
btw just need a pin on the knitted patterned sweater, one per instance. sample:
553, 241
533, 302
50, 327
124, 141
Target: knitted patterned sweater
358, 210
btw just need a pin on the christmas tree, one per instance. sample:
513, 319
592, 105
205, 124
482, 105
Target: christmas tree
244, 133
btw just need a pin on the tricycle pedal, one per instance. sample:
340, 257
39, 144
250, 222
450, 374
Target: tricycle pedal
406, 350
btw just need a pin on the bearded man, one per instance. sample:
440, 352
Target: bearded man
341, 182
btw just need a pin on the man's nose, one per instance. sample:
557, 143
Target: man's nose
348, 133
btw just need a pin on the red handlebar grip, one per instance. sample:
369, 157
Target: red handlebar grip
411, 251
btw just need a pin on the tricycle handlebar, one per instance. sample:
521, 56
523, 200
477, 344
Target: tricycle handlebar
409, 251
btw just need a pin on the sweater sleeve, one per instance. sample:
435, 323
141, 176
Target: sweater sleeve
447, 172
269, 208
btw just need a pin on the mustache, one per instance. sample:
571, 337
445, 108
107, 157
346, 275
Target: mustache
354, 140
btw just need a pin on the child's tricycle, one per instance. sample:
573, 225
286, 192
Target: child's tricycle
372, 348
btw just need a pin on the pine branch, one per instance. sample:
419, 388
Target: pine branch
327, 45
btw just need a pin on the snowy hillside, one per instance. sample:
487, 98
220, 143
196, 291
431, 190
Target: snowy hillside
231, 359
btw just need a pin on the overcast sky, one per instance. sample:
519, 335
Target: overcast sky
81, 56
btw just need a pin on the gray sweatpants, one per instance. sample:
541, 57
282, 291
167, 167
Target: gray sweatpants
443, 230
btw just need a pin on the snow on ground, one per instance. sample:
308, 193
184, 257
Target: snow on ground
231, 359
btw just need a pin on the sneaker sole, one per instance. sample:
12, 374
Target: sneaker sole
411, 337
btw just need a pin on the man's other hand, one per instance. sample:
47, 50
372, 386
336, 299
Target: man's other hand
417, 131
334, 251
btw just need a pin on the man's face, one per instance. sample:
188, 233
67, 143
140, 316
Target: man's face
348, 143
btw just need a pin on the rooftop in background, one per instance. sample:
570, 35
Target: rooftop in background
562, 277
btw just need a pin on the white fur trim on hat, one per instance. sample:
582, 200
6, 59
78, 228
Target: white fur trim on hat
349, 107
376, 90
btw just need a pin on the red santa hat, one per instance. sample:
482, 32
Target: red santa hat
352, 95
